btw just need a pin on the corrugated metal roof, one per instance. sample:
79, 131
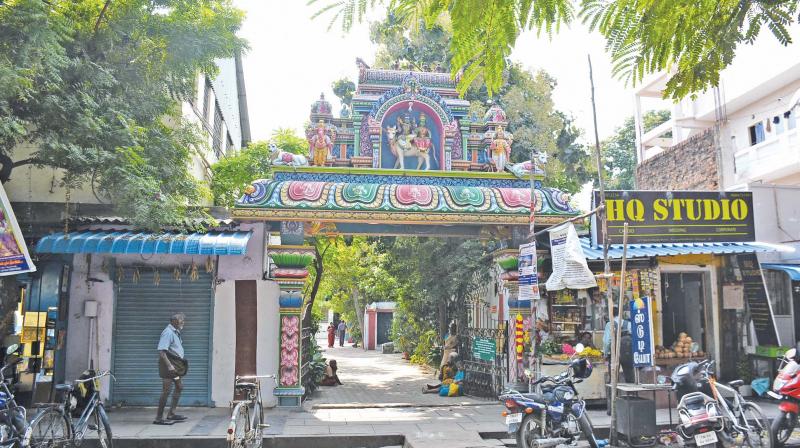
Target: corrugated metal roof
792, 269
667, 249
106, 242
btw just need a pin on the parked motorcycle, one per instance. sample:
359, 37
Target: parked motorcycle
556, 414
713, 413
786, 388
13, 418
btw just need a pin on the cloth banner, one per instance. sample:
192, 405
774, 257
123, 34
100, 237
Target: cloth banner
528, 275
569, 263
14, 256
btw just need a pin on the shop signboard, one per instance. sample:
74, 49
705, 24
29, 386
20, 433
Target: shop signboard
676, 216
642, 333
484, 349
14, 256
569, 263
528, 275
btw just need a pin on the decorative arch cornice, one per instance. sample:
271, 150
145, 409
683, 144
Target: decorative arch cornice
411, 90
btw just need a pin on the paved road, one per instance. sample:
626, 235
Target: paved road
371, 378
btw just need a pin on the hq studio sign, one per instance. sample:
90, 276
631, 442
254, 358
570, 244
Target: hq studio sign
677, 216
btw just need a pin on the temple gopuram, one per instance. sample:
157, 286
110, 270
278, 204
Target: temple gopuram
407, 160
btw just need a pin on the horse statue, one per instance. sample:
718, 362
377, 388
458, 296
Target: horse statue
279, 157
403, 146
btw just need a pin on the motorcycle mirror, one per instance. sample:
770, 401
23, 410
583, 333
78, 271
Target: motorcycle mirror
579, 348
12, 349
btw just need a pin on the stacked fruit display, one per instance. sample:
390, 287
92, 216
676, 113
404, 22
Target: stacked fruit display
684, 347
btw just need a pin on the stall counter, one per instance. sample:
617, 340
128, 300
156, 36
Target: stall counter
592, 388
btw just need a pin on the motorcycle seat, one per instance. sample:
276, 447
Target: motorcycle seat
736, 384
541, 398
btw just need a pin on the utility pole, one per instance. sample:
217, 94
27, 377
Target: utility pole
601, 218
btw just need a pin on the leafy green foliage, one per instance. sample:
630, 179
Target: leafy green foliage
234, 172
344, 90
423, 48
694, 39
90, 84
619, 151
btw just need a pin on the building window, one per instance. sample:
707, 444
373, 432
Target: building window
207, 99
791, 119
217, 135
779, 288
757, 134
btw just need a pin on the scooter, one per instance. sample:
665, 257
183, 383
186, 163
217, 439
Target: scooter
786, 388
699, 414
554, 416
714, 413
13, 418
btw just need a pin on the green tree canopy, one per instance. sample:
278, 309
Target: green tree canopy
234, 172
344, 90
695, 38
619, 151
95, 87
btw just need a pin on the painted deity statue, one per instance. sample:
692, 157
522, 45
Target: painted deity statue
407, 140
422, 136
500, 149
320, 145
280, 157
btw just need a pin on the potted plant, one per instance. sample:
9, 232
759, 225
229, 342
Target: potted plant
743, 369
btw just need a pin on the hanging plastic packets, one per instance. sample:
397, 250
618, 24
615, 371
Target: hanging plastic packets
519, 337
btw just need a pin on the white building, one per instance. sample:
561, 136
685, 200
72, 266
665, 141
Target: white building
751, 123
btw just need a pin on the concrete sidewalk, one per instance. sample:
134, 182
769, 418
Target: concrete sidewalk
370, 378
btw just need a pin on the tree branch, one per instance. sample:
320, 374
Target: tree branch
101, 16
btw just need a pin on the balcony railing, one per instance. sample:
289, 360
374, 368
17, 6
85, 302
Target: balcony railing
769, 160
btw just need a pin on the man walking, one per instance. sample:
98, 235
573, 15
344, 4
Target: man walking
342, 330
171, 368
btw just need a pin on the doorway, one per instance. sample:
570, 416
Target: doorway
683, 307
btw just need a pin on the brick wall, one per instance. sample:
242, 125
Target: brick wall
691, 165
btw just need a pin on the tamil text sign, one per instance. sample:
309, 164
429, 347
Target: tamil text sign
677, 216
642, 332
484, 349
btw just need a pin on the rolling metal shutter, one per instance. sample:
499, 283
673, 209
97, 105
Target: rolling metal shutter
143, 310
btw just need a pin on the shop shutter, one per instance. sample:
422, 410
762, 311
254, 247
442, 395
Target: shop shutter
142, 311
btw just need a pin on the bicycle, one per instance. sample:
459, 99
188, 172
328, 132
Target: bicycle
246, 427
53, 426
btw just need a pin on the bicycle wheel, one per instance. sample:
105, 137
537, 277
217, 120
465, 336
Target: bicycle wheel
257, 431
49, 429
760, 435
242, 426
103, 427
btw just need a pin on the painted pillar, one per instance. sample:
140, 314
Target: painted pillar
375, 140
289, 269
357, 117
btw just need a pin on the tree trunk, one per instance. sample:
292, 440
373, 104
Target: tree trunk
359, 314
309, 305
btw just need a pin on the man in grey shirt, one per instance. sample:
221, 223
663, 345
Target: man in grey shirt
171, 366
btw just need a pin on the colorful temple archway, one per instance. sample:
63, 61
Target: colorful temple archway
359, 191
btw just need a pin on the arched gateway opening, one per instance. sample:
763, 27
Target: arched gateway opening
359, 192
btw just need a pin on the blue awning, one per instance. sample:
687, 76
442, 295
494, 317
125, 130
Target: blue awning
121, 242
792, 269
667, 249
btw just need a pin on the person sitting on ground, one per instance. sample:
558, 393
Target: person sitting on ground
446, 374
331, 378
585, 339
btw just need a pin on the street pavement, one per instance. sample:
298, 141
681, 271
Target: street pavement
381, 395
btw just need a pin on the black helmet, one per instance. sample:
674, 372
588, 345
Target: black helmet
581, 368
